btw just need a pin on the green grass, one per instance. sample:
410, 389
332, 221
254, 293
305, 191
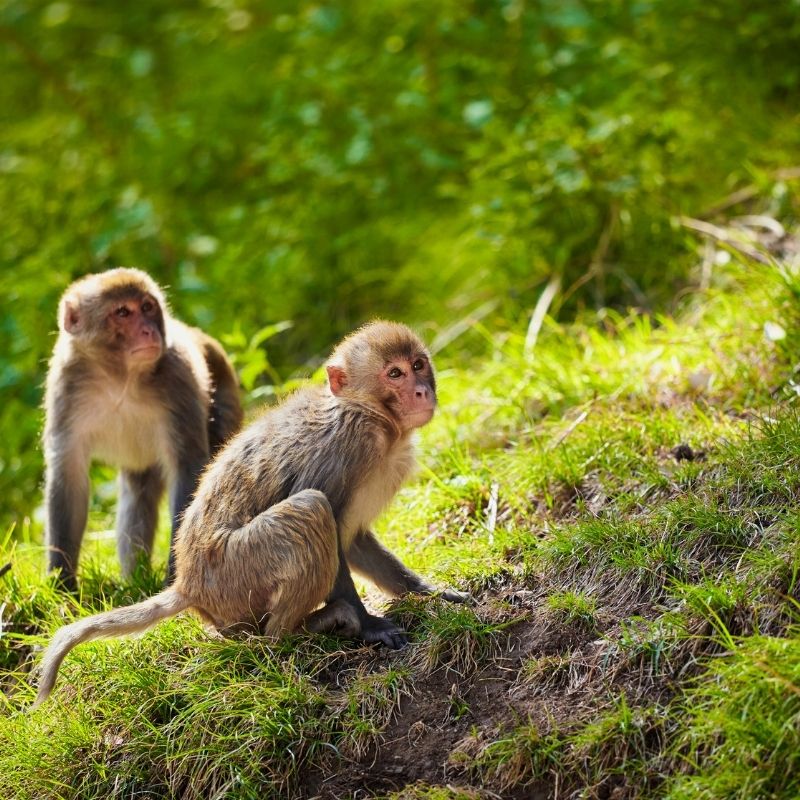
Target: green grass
742, 718
621, 503
573, 607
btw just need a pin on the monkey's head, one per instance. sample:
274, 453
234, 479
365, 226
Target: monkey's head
118, 314
386, 364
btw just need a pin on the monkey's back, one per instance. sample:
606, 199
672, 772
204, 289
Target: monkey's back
310, 441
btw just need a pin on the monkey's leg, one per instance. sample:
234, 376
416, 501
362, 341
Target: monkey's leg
338, 616
373, 629
279, 566
184, 483
67, 499
137, 515
370, 558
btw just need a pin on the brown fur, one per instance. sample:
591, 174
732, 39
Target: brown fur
285, 509
158, 419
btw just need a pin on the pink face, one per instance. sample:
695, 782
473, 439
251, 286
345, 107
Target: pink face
135, 324
412, 383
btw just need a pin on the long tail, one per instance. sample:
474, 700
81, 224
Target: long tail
116, 622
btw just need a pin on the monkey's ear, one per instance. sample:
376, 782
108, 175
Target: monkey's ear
70, 316
337, 379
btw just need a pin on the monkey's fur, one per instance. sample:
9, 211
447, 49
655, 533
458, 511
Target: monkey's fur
134, 387
285, 509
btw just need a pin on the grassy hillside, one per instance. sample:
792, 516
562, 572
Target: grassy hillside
619, 495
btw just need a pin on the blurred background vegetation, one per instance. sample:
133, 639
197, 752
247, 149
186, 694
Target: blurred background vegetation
324, 163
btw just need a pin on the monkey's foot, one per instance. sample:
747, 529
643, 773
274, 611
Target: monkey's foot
65, 581
337, 616
379, 630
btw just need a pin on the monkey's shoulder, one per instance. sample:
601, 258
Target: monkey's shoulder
184, 362
311, 441
196, 340
314, 411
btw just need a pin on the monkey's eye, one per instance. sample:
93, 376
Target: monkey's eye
418, 365
394, 372
147, 307
122, 311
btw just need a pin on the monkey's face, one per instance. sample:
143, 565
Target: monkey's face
135, 326
386, 364
115, 318
410, 390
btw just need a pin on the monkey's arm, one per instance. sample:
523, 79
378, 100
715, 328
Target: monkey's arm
67, 501
370, 558
373, 629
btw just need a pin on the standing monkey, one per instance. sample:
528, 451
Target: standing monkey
284, 512
139, 390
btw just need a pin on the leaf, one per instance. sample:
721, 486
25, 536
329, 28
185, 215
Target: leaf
268, 331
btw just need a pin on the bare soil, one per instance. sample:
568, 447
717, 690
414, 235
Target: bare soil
450, 711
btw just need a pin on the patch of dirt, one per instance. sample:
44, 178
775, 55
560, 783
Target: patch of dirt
577, 670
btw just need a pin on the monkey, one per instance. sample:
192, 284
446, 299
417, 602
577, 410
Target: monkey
285, 510
130, 385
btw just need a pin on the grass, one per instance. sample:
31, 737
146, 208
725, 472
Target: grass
451, 637
742, 734
622, 505
573, 608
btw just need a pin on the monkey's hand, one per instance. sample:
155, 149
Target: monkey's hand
454, 596
338, 616
379, 630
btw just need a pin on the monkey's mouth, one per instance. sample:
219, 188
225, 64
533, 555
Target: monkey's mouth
146, 351
416, 419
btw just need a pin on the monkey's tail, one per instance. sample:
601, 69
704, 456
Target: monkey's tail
116, 622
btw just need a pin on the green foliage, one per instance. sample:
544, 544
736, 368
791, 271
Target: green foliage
451, 636
253, 730
613, 751
574, 607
